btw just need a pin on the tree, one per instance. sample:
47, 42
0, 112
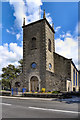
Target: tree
9, 73
21, 65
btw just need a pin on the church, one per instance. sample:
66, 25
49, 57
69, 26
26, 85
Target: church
42, 66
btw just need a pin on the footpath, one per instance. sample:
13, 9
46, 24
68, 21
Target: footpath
27, 98
74, 99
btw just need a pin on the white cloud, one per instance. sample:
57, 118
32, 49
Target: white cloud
57, 28
27, 8
18, 36
10, 54
62, 36
68, 48
49, 18
9, 31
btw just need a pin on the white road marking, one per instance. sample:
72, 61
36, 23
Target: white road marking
5, 104
53, 110
45, 109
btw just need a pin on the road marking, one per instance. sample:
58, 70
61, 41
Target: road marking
45, 109
5, 104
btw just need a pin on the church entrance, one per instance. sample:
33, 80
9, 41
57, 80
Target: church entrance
34, 84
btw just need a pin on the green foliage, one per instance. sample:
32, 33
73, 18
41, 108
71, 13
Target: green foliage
9, 73
56, 92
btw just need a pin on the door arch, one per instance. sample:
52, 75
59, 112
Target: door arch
34, 83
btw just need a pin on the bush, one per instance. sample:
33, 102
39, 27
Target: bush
56, 92
49, 91
43, 90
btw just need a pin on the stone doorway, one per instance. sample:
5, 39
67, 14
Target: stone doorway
34, 84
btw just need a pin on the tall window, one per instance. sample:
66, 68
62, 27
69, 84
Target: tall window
49, 45
76, 78
73, 77
33, 43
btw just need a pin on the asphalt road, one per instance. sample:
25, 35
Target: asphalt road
32, 108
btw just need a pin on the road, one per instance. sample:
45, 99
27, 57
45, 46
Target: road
33, 108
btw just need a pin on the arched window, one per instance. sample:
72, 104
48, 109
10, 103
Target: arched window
17, 84
74, 77
33, 43
49, 45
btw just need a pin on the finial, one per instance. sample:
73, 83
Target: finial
24, 22
44, 16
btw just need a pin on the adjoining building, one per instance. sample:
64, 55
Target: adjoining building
42, 67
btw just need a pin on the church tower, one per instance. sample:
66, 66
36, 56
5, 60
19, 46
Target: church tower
38, 48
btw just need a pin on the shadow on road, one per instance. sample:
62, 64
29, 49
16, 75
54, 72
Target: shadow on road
69, 100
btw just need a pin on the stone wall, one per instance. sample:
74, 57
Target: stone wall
49, 34
18, 79
37, 55
55, 82
62, 66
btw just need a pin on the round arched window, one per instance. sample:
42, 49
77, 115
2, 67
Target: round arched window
17, 84
33, 65
50, 66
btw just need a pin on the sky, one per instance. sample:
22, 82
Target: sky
64, 15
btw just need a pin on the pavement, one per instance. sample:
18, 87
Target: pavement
18, 107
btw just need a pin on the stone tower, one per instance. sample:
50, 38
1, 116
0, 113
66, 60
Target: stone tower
38, 48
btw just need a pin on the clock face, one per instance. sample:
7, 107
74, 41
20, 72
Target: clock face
33, 65
50, 66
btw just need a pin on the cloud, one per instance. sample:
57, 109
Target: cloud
7, 31
11, 32
68, 47
49, 18
27, 8
18, 36
10, 54
57, 28
62, 36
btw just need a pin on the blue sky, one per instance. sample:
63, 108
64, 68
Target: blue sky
64, 15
